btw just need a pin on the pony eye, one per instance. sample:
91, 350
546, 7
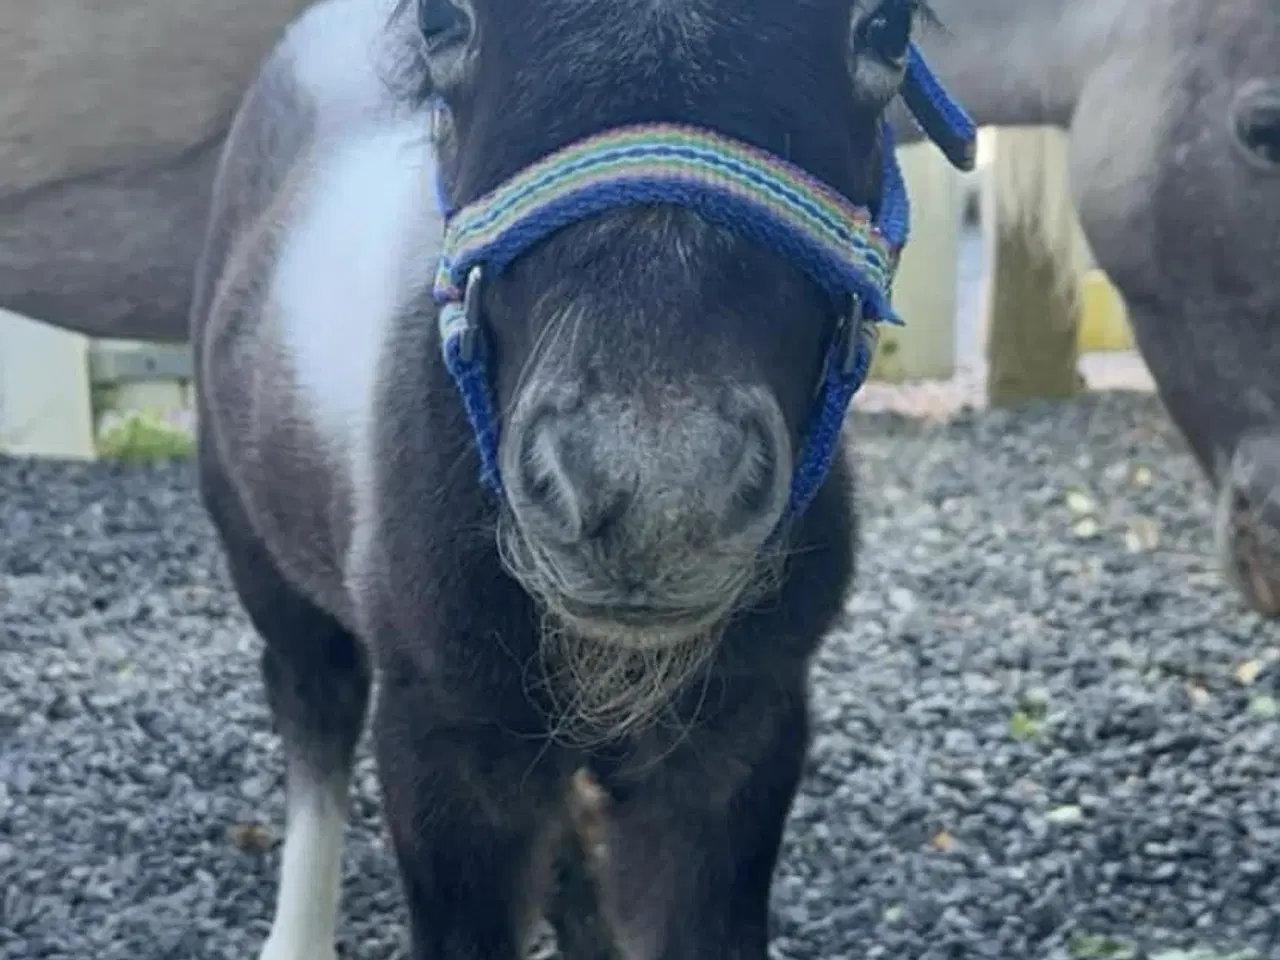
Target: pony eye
442, 23
887, 35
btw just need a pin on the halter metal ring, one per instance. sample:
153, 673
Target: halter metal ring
469, 337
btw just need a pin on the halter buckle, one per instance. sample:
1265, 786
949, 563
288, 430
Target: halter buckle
469, 337
855, 323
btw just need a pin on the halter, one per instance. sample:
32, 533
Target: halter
852, 255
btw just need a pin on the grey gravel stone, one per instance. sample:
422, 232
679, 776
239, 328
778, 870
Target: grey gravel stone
994, 667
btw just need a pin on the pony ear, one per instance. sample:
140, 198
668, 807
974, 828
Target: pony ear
448, 31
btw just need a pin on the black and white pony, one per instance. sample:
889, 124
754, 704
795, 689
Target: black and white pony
524, 337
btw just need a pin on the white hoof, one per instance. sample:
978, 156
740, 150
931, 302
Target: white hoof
310, 875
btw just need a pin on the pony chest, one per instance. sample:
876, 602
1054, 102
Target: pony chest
361, 246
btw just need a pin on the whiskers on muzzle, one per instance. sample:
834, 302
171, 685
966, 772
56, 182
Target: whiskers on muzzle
612, 664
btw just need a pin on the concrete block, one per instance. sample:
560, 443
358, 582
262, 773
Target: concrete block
925, 290
46, 408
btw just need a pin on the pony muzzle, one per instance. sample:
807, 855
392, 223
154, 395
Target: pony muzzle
625, 516
1248, 521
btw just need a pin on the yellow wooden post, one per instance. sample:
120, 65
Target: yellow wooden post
1033, 300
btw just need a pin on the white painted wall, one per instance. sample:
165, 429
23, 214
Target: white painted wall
45, 400
925, 290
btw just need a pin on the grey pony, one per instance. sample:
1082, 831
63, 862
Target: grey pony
111, 119
1173, 113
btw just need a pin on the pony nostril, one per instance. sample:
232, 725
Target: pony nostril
537, 484
607, 516
563, 488
541, 486
1256, 127
1254, 508
1260, 132
1248, 531
758, 469
1241, 505
753, 483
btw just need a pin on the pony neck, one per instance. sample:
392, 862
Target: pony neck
1025, 62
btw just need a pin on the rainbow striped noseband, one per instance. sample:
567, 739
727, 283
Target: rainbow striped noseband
850, 254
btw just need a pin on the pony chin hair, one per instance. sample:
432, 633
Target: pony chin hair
604, 683
601, 690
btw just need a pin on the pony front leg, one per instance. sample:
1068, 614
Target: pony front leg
694, 841
474, 813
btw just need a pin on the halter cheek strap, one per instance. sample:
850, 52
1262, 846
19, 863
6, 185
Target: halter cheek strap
852, 255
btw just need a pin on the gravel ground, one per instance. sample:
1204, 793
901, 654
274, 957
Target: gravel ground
1047, 732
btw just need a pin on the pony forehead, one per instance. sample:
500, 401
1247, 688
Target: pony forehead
683, 20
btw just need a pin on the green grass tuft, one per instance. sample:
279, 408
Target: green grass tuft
139, 437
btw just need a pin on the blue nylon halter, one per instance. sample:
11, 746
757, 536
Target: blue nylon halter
861, 278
